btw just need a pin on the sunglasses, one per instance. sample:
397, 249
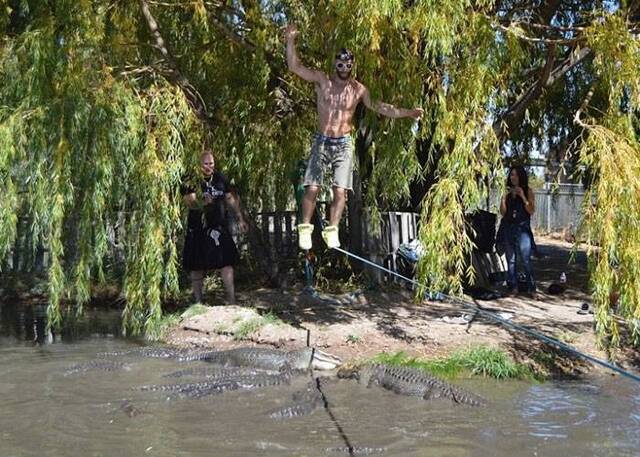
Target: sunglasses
341, 66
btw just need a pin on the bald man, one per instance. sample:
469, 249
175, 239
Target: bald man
208, 243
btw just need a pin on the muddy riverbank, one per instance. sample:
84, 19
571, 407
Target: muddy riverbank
359, 325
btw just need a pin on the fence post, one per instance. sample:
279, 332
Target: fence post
548, 210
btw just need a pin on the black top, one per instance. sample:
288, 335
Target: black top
516, 212
217, 185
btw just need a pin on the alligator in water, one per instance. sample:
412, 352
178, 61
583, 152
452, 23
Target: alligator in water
224, 384
274, 359
304, 403
105, 365
179, 354
409, 381
356, 450
216, 372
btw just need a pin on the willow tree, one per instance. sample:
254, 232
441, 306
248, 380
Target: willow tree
105, 105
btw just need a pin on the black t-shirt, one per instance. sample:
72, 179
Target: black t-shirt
217, 185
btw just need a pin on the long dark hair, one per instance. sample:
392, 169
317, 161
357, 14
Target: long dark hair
523, 178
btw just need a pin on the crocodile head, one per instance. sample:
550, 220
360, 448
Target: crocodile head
360, 372
316, 359
348, 372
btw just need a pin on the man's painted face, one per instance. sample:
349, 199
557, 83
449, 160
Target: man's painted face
343, 68
207, 164
344, 65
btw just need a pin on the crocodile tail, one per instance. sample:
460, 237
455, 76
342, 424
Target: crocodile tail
463, 397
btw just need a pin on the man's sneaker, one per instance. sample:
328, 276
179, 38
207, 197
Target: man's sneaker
304, 236
330, 236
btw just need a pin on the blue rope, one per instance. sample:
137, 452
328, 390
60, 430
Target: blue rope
534, 333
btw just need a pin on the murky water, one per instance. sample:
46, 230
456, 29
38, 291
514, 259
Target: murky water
48, 411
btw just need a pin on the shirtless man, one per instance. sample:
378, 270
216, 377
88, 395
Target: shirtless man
338, 96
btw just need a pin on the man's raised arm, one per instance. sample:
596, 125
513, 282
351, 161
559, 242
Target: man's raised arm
388, 110
293, 61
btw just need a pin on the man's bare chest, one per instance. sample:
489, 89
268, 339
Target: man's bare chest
334, 97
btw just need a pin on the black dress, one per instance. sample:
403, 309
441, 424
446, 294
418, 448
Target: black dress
208, 245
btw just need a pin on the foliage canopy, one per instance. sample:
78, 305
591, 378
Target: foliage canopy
105, 104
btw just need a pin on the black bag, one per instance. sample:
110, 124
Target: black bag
483, 224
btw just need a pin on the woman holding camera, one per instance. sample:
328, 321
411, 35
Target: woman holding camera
516, 207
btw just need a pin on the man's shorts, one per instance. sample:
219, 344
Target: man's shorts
330, 153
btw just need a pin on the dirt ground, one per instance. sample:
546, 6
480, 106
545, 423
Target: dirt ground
361, 324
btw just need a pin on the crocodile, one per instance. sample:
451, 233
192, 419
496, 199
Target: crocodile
274, 359
178, 354
409, 381
105, 365
356, 450
215, 372
209, 387
305, 402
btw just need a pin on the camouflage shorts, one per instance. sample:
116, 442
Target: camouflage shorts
331, 153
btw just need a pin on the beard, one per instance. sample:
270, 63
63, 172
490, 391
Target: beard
344, 75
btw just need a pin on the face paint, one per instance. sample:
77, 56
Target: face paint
344, 66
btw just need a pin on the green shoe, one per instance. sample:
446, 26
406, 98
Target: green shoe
330, 236
304, 236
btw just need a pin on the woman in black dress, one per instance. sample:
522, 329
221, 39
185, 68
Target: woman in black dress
208, 243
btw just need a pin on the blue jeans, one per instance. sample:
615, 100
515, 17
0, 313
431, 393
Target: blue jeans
518, 244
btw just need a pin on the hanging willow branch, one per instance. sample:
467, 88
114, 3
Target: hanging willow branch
174, 74
548, 76
92, 130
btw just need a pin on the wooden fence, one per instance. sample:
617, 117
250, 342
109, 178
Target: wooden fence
380, 242
278, 229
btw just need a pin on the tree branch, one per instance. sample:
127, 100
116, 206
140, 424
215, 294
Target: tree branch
533, 25
576, 57
577, 117
173, 74
277, 79
563, 41
548, 77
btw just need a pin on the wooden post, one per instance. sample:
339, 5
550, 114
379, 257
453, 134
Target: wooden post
277, 231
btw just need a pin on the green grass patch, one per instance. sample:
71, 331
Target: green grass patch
479, 361
157, 331
251, 326
271, 318
446, 368
247, 328
194, 310
491, 362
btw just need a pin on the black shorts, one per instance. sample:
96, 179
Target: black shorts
205, 252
